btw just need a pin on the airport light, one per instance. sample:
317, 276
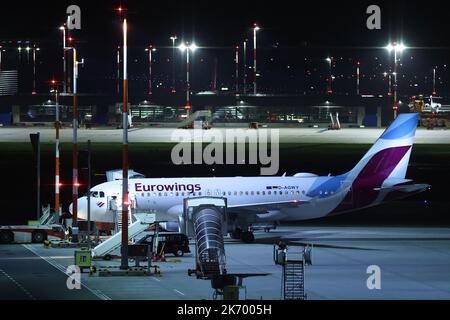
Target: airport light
187, 48
255, 29
397, 49
173, 38
150, 49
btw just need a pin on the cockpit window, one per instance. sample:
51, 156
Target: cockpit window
94, 194
102, 194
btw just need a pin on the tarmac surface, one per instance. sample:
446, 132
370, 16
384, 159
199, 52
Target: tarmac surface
414, 264
164, 135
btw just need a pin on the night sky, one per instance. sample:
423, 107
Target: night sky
294, 41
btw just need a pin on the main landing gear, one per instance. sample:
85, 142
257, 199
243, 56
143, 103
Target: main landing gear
244, 236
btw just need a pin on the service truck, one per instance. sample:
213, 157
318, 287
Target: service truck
31, 233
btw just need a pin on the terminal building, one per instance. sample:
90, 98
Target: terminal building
226, 110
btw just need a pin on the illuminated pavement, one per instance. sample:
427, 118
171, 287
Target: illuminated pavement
162, 135
414, 265
26, 276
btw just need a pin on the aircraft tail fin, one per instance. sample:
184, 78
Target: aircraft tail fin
389, 156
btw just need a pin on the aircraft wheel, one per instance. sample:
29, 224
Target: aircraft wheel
247, 237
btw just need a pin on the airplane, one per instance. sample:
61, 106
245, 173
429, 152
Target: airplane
433, 106
379, 177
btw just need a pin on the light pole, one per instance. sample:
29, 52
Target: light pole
245, 66
255, 29
397, 48
57, 163
1, 58
173, 38
434, 81
389, 75
19, 49
63, 29
357, 78
75, 183
237, 69
150, 49
125, 201
188, 48
330, 75
34, 49
118, 70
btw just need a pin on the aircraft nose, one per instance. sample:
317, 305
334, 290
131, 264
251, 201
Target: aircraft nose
82, 208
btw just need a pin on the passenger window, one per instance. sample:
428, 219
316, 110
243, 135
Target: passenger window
102, 194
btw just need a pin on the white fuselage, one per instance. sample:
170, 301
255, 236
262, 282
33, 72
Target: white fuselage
166, 196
